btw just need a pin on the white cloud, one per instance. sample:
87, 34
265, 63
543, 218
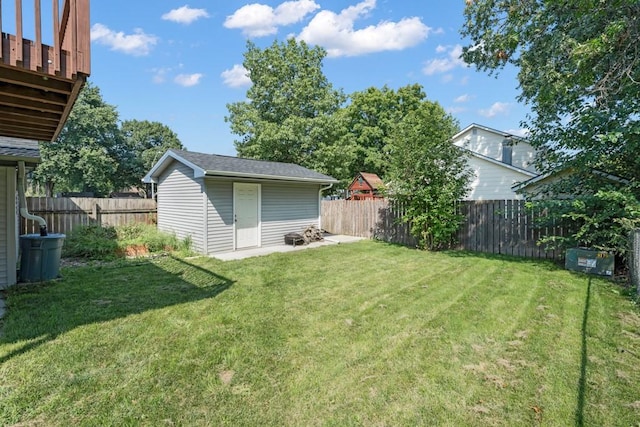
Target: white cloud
456, 110
236, 77
136, 44
336, 33
462, 99
447, 78
185, 15
258, 20
442, 65
188, 80
497, 108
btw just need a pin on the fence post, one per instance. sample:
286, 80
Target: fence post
95, 214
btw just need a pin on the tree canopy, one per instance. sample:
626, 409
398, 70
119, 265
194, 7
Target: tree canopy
370, 118
88, 153
289, 112
94, 154
293, 114
579, 70
146, 142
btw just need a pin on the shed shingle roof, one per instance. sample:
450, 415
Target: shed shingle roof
217, 165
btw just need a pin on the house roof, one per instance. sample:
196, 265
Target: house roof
228, 166
372, 179
15, 149
540, 178
488, 129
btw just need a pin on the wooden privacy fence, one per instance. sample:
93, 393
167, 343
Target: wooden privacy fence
496, 226
64, 213
505, 227
370, 218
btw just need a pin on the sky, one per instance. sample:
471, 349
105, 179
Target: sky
181, 63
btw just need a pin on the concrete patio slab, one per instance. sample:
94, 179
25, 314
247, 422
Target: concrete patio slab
248, 253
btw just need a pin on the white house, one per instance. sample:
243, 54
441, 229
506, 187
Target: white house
225, 203
499, 161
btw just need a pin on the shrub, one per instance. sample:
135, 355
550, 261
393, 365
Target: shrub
601, 221
151, 238
91, 242
96, 242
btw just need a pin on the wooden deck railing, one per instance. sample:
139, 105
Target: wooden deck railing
70, 50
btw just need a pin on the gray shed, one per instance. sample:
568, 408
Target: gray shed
225, 203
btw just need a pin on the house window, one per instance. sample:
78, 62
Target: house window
507, 151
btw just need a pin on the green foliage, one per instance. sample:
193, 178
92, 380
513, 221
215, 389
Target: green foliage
289, 112
601, 221
428, 174
146, 142
91, 242
151, 238
105, 243
578, 70
88, 155
94, 154
370, 119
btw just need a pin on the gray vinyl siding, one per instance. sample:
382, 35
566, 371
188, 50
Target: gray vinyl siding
287, 208
4, 237
219, 215
8, 227
180, 205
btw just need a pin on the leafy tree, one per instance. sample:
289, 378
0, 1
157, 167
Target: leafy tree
146, 142
601, 221
371, 117
289, 112
428, 174
94, 154
89, 154
578, 69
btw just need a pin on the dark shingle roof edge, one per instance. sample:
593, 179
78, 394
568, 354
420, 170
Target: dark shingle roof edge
219, 165
20, 153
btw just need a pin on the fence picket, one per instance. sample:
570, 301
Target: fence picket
496, 226
64, 213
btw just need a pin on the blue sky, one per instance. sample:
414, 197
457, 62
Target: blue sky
181, 63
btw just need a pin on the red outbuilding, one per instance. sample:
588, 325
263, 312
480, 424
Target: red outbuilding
365, 186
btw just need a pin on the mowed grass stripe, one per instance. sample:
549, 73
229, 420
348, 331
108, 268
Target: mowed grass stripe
361, 334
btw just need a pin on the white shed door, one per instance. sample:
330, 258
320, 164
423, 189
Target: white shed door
246, 199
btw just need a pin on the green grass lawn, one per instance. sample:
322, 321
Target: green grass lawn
358, 334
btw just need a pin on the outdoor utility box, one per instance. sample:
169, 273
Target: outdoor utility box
40, 259
590, 261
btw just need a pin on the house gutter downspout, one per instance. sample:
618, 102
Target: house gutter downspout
22, 201
320, 205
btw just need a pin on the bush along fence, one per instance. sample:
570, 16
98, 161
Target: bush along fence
64, 213
495, 226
